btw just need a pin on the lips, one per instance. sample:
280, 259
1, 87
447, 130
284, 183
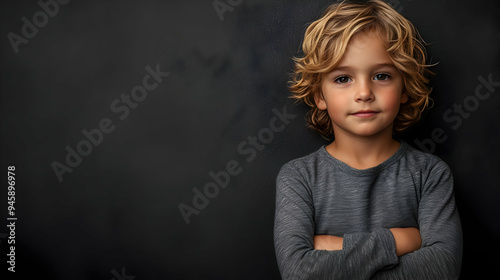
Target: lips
365, 113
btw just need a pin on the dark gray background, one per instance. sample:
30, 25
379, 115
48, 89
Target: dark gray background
119, 207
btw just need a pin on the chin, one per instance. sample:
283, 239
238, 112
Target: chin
369, 132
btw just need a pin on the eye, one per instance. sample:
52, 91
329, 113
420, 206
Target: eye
382, 77
342, 80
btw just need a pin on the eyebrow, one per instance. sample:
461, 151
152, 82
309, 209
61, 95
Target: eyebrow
375, 66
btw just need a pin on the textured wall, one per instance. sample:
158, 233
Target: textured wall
117, 113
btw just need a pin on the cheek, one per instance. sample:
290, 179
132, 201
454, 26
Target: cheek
333, 97
337, 103
393, 96
393, 101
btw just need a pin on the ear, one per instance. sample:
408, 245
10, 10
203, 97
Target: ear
319, 99
404, 98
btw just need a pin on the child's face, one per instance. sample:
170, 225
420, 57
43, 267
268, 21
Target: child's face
363, 94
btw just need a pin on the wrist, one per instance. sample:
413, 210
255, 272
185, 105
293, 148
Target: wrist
407, 240
328, 242
336, 243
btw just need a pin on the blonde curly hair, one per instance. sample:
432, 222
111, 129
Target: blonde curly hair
325, 43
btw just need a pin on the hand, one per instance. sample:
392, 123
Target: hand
407, 240
328, 242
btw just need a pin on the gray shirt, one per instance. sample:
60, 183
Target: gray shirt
318, 194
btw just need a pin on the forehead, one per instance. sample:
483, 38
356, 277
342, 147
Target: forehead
365, 49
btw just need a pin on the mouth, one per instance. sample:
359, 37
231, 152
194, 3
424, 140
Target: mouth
365, 113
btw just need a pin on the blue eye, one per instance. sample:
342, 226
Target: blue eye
382, 77
342, 80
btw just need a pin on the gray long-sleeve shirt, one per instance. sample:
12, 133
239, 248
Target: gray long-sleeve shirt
318, 194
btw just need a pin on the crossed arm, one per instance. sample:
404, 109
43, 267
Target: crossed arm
433, 251
407, 240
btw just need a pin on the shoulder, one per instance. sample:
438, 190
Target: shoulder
423, 161
428, 166
302, 168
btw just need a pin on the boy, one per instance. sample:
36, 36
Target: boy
365, 206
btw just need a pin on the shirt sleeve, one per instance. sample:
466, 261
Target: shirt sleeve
363, 254
440, 256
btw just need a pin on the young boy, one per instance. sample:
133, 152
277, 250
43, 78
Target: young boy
365, 206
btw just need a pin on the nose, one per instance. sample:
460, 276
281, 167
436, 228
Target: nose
364, 92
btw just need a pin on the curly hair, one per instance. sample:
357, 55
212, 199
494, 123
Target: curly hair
325, 43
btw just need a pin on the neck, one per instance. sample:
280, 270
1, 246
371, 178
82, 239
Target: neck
362, 152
